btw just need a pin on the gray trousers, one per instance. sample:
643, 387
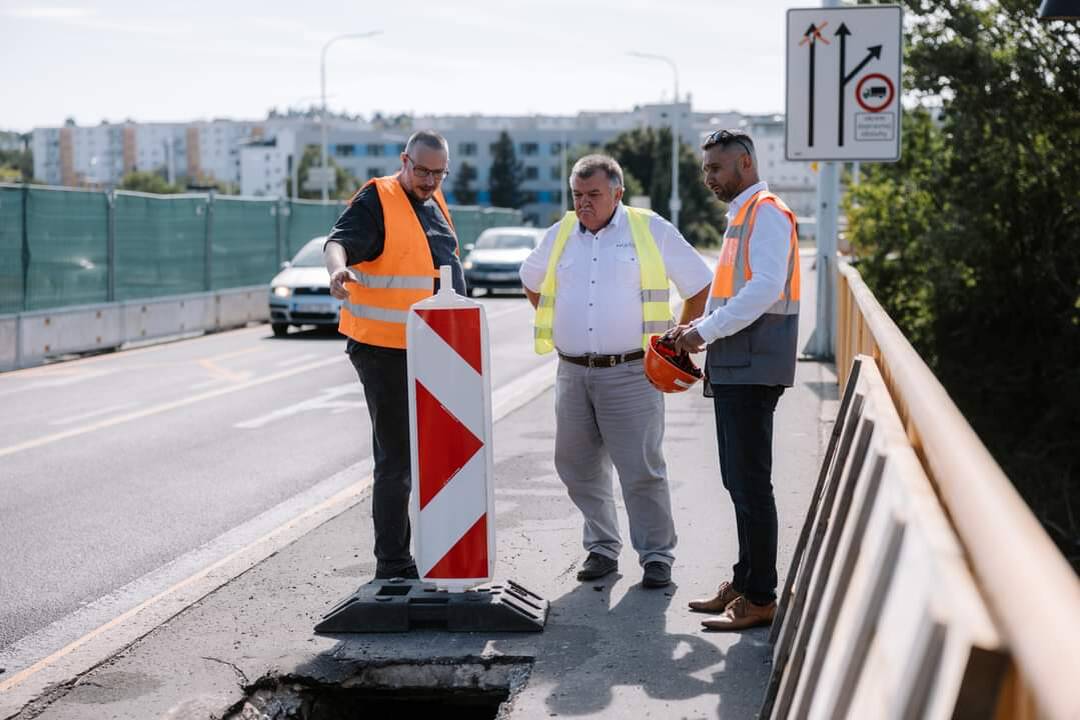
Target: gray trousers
613, 415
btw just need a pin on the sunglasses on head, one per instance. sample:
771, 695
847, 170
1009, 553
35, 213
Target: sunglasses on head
725, 138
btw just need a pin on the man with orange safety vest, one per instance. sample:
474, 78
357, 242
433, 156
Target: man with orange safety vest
599, 281
382, 256
751, 328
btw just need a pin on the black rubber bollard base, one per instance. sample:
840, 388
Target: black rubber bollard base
399, 605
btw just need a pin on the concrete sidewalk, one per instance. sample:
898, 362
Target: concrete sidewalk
611, 649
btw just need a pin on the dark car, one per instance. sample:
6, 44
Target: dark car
495, 261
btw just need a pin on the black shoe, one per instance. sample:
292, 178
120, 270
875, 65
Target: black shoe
408, 573
657, 575
597, 566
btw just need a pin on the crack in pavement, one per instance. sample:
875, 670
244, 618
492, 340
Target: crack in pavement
242, 675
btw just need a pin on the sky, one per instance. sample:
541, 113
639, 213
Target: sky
174, 62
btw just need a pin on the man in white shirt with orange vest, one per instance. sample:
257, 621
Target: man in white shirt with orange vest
600, 282
751, 330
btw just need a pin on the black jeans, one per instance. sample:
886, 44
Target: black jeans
744, 430
384, 376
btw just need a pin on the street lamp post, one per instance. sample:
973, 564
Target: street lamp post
676, 203
322, 78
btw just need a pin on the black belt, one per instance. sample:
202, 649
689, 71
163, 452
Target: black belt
592, 360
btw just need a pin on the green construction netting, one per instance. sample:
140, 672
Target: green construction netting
306, 220
67, 232
11, 268
160, 242
243, 239
160, 245
470, 221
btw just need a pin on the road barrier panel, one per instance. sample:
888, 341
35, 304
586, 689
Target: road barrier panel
452, 504
880, 616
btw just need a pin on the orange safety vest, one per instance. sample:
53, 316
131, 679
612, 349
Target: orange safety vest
764, 352
385, 288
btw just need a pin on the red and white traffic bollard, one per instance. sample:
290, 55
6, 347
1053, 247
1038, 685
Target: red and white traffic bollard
452, 505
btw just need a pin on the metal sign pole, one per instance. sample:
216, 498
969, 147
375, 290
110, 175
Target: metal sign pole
820, 344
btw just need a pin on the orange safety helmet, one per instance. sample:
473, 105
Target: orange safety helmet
669, 371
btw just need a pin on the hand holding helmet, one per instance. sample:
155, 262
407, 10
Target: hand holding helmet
669, 370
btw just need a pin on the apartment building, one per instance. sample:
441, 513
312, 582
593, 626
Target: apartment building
261, 156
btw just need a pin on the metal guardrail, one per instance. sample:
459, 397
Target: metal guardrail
28, 339
1031, 591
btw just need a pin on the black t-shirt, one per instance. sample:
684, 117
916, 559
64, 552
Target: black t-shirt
362, 232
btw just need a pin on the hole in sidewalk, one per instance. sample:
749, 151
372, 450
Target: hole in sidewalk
455, 688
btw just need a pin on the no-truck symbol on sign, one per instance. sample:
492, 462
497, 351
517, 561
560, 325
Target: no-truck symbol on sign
837, 55
875, 92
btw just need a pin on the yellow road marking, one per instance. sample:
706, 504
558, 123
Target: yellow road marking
164, 407
219, 373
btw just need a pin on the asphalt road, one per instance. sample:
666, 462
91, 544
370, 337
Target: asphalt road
116, 466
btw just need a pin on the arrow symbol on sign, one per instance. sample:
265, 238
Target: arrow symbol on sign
873, 52
811, 36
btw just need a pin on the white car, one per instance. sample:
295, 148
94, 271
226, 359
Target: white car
495, 260
300, 293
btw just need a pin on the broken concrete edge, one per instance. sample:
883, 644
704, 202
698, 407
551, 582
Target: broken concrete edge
491, 673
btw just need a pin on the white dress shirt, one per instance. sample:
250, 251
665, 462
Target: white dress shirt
598, 295
770, 245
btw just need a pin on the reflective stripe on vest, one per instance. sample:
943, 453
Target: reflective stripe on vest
733, 269
655, 296
762, 353
385, 288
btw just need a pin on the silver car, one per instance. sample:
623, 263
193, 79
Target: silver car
494, 262
300, 293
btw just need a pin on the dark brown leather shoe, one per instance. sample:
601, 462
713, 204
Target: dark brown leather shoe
742, 614
724, 595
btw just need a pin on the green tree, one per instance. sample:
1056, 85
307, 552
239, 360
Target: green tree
16, 165
506, 173
345, 183
148, 182
464, 194
972, 241
645, 155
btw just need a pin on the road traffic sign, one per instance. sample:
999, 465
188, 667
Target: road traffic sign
843, 77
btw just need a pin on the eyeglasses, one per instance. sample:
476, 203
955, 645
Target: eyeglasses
726, 137
422, 172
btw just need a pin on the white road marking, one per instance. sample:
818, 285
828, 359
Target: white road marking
93, 413
296, 360
62, 381
328, 400
163, 407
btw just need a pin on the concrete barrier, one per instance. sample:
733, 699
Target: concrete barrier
9, 342
880, 616
28, 339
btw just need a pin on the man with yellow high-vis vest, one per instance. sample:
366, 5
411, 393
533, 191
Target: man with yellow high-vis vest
751, 330
599, 282
382, 257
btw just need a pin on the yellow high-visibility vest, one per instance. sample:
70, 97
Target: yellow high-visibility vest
655, 310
